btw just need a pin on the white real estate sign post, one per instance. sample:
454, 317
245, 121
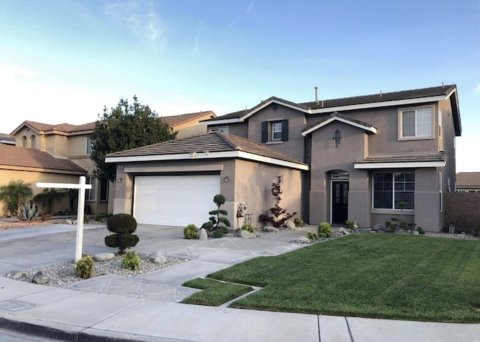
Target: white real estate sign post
81, 186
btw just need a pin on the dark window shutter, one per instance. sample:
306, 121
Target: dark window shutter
284, 130
264, 131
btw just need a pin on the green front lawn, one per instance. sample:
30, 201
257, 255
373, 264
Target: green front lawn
383, 275
214, 293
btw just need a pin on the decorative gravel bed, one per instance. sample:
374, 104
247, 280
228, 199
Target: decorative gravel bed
63, 273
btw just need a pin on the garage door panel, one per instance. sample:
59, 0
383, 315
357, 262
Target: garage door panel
174, 200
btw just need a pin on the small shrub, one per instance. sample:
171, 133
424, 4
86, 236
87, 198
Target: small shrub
84, 268
190, 232
312, 236
420, 231
325, 230
122, 225
298, 222
249, 228
218, 233
350, 224
131, 261
28, 212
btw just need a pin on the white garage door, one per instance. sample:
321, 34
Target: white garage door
174, 200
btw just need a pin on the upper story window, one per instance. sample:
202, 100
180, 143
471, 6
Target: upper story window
416, 123
33, 142
88, 149
221, 129
275, 131
24, 141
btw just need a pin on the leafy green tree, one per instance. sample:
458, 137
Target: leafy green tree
125, 127
14, 194
48, 196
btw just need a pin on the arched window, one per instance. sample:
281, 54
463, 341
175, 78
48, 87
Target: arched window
33, 142
24, 141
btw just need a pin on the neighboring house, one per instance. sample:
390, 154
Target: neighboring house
468, 182
188, 125
365, 158
7, 139
32, 166
72, 142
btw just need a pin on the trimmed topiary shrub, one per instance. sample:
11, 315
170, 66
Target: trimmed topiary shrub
190, 232
122, 226
218, 223
131, 261
325, 230
84, 268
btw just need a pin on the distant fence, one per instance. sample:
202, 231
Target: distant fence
463, 210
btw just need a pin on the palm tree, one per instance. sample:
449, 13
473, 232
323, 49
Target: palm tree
48, 196
14, 194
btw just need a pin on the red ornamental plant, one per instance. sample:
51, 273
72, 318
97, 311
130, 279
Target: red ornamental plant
278, 215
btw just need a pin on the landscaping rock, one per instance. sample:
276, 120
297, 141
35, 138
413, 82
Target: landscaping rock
39, 278
103, 256
203, 234
379, 227
289, 224
372, 232
247, 235
415, 232
69, 221
17, 275
158, 258
270, 229
344, 231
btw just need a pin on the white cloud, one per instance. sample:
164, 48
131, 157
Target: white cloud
15, 71
139, 16
477, 89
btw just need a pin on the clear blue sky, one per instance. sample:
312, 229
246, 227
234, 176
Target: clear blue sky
62, 61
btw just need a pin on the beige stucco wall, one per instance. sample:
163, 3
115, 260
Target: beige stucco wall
253, 184
77, 145
32, 178
191, 130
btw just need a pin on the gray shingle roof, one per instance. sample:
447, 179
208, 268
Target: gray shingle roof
337, 115
211, 142
356, 100
412, 157
468, 180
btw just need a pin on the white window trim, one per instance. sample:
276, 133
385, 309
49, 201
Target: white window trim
88, 143
92, 190
390, 210
440, 189
400, 123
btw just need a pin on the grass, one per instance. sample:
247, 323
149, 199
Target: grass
383, 276
214, 292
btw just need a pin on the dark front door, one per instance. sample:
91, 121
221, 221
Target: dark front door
339, 202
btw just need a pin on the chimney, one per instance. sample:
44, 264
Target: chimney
316, 95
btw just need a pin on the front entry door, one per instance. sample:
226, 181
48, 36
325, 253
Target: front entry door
339, 202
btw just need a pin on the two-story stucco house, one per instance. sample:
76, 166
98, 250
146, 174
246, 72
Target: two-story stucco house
365, 158
61, 153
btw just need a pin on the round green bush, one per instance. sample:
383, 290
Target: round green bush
131, 261
190, 232
84, 268
122, 224
219, 199
218, 233
325, 230
248, 227
111, 240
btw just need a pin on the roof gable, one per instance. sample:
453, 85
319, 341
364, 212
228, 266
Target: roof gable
62, 129
340, 118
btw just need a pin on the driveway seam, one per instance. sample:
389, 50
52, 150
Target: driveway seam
318, 323
349, 330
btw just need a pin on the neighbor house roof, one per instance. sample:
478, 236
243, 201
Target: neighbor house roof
207, 146
177, 120
412, 160
404, 97
21, 158
341, 118
7, 139
64, 128
468, 180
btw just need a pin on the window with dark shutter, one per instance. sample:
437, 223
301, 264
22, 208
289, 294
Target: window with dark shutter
264, 131
284, 130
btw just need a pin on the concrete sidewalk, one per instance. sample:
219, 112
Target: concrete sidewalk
146, 308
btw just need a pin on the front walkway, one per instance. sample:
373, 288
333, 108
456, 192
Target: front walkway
145, 307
